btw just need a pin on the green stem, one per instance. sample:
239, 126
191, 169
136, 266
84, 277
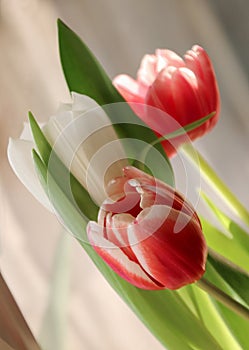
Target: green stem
213, 179
223, 298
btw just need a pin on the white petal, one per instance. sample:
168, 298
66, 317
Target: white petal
83, 103
87, 145
56, 125
26, 132
64, 107
20, 158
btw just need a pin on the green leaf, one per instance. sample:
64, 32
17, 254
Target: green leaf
238, 233
225, 245
238, 326
67, 182
60, 199
82, 71
41, 142
233, 243
234, 277
185, 129
85, 75
208, 173
181, 131
212, 312
163, 312
206, 308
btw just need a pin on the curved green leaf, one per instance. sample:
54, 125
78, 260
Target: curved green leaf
238, 233
233, 243
234, 277
67, 182
225, 245
185, 129
85, 75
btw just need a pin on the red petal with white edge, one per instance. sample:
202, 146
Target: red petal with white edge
116, 228
129, 203
116, 232
173, 259
117, 260
149, 183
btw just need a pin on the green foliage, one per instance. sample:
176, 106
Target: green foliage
67, 182
185, 129
85, 75
233, 242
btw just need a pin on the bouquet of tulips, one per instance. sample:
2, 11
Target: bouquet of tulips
102, 164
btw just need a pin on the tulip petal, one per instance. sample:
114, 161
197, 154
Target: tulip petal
199, 62
87, 144
116, 232
80, 103
147, 71
61, 134
170, 58
129, 203
161, 193
144, 179
160, 94
185, 90
129, 88
187, 98
64, 107
83, 103
115, 188
26, 132
118, 260
116, 228
173, 259
19, 155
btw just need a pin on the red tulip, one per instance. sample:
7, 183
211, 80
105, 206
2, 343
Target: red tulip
148, 234
184, 89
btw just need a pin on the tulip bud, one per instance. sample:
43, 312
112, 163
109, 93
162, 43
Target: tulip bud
148, 234
186, 90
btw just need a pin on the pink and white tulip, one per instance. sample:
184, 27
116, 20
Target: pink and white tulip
148, 234
185, 89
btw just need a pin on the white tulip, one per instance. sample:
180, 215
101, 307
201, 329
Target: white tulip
82, 136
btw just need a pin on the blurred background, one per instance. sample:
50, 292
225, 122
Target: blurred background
91, 316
